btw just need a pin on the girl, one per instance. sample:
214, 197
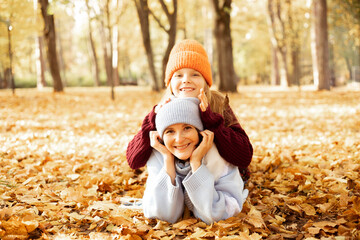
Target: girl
188, 74
188, 169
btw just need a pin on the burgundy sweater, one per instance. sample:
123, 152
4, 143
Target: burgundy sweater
232, 142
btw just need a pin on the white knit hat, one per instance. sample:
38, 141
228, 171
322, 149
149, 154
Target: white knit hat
179, 110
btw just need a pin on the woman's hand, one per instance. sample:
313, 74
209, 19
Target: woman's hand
204, 103
202, 149
156, 144
161, 104
169, 162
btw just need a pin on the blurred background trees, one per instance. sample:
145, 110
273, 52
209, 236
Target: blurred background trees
118, 42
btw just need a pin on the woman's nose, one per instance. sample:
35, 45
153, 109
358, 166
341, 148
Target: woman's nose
179, 137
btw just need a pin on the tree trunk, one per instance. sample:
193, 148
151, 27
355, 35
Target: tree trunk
143, 14
275, 71
321, 45
40, 63
93, 50
172, 19
61, 57
296, 66
227, 75
10, 72
115, 56
49, 33
278, 38
1, 78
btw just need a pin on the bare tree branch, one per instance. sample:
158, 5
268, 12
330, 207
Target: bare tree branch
158, 21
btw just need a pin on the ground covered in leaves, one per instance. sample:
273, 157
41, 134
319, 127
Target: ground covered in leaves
63, 171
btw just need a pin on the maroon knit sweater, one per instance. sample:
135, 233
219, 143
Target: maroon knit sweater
232, 142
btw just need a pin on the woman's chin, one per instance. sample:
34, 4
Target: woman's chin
183, 157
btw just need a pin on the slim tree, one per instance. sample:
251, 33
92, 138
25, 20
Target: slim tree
143, 14
171, 31
320, 45
227, 75
50, 36
93, 48
279, 36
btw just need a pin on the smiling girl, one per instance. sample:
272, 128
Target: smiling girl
188, 74
185, 168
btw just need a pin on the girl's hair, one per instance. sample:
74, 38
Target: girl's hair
217, 101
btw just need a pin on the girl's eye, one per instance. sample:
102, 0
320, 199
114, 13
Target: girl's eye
196, 74
177, 75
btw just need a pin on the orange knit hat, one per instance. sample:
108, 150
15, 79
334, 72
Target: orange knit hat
188, 54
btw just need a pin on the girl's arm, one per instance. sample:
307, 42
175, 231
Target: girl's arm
232, 142
215, 200
139, 149
162, 199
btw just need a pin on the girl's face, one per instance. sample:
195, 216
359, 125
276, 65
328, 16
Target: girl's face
187, 82
181, 140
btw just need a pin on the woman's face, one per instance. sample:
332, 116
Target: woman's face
181, 140
187, 82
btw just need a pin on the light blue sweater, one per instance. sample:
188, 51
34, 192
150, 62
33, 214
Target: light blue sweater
214, 192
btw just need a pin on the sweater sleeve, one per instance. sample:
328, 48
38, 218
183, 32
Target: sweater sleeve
162, 200
215, 200
138, 150
232, 142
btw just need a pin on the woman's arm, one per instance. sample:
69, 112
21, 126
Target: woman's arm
232, 142
139, 149
162, 199
215, 200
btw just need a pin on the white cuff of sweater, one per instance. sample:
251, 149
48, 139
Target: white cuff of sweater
193, 181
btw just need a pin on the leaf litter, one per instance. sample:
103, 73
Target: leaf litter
63, 170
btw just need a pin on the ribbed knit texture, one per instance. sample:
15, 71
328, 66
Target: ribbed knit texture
232, 142
188, 54
179, 110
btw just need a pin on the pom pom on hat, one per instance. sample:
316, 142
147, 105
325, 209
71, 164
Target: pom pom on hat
179, 110
188, 54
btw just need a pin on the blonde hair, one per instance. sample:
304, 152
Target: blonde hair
217, 101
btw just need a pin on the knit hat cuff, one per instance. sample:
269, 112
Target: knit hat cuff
180, 110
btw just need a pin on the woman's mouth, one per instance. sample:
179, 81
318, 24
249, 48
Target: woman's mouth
182, 147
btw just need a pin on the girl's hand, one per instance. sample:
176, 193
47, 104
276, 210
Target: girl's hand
204, 103
161, 104
202, 149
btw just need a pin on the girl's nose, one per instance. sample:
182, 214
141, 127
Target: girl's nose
185, 78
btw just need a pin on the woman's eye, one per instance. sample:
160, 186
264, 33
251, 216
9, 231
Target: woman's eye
188, 127
169, 132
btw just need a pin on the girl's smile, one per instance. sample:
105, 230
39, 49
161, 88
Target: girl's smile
187, 82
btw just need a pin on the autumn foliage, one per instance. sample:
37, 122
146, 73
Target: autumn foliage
63, 171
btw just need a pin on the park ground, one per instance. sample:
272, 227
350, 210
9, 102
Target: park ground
63, 170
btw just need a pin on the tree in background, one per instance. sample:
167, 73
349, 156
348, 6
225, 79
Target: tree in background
320, 47
95, 61
143, 14
222, 31
50, 36
17, 24
279, 37
344, 35
171, 31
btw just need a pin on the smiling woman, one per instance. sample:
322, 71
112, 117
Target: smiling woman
187, 169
